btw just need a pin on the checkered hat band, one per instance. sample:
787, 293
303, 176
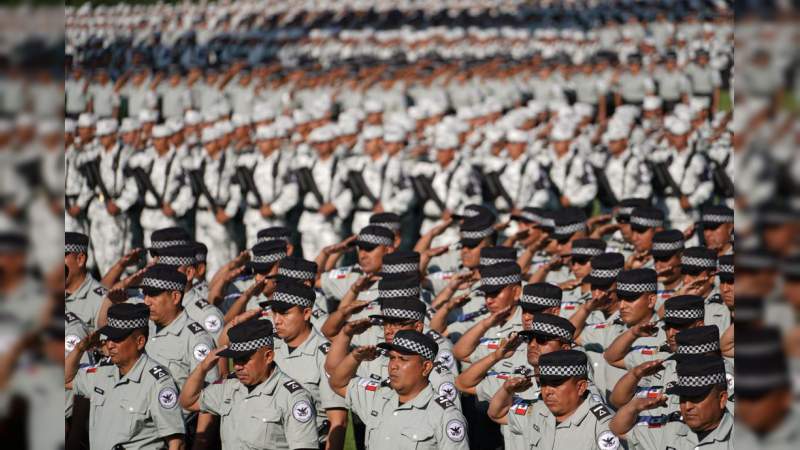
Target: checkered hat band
166, 244
414, 346
637, 287
492, 261
374, 239
291, 299
251, 345
296, 274
176, 261
667, 246
163, 285
698, 262
470, 213
398, 293
400, 268
702, 380
541, 301
562, 371
761, 381
263, 239
570, 228
684, 314
625, 211
402, 314
269, 258
548, 222
480, 234
127, 324
605, 273
551, 330
586, 251
698, 349
531, 217
390, 225
717, 218
646, 222
505, 280
75, 248
728, 268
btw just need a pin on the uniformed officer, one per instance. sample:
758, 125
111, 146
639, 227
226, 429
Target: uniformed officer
306, 272
625, 171
705, 79
570, 177
84, 293
673, 84
301, 353
578, 290
645, 222
406, 413
109, 224
725, 271
264, 266
567, 416
703, 421
698, 265
569, 225
620, 241
717, 223
261, 407
667, 250
134, 401
633, 85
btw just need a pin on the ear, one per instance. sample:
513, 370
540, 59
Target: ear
723, 398
427, 367
418, 326
651, 301
190, 272
81, 258
177, 296
517, 291
583, 386
289, 249
306, 314
141, 341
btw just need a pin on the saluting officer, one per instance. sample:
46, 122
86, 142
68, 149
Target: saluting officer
134, 401
667, 250
567, 417
698, 266
84, 294
406, 414
261, 407
625, 171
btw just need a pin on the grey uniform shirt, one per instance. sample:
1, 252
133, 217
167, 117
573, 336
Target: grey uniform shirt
277, 414
703, 79
137, 410
199, 310
86, 300
672, 85
306, 365
633, 88
676, 435
180, 347
587, 428
426, 422
103, 99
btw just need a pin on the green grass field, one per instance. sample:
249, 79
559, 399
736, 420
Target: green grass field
349, 441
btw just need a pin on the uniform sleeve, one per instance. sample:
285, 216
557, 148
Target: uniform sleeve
235, 198
289, 195
697, 177
212, 320
453, 430
643, 437
83, 383
184, 198
518, 422
211, 398
581, 185
487, 387
201, 345
333, 286
300, 421
361, 395
642, 182
129, 195
635, 357
329, 399
166, 414
593, 334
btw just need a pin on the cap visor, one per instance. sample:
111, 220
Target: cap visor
688, 391
403, 350
489, 290
115, 334
470, 243
281, 307
366, 246
519, 218
600, 283
530, 307
228, 353
639, 228
260, 268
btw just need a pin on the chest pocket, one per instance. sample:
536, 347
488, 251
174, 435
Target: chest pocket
262, 427
419, 438
136, 412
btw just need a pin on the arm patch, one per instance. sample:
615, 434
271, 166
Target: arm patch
292, 386
444, 402
325, 348
201, 304
600, 411
70, 317
195, 327
101, 291
158, 372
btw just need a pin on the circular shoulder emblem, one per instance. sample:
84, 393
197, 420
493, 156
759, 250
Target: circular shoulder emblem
70, 341
168, 398
729, 379
446, 359
212, 323
302, 411
448, 389
200, 351
456, 430
608, 441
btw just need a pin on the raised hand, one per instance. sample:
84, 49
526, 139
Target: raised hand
648, 368
517, 384
508, 346
645, 329
89, 342
365, 353
210, 361
498, 317
645, 403
356, 327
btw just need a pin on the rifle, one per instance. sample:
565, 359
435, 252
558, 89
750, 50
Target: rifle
246, 179
429, 192
144, 179
552, 185
605, 194
359, 187
495, 185
196, 178
93, 167
722, 182
307, 184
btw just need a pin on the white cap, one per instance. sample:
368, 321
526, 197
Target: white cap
583, 109
241, 120
445, 140
678, 127
192, 117
47, 127
348, 127
373, 106
300, 116
562, 131
174, 124
372, 132
262, 112
129, 124
209, 134
682, 112
516, 136
161, 131
69, 125
224, 127
394, 135
321, 134
698, 104
106, 126
210, 116
615, 133
265, 132
147, 116
651, 102
86, 120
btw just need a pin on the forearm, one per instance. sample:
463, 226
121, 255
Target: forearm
334, 323
237, 307
443, 297
624, 420
103, 312
470, 378
624, 390
175, 442
340, 347
540, 275
71, 365
578, 320
190, 394
616, 352
524, 260
112, 276
469, 341
438, 322
216, 289
499, 406
424, 242
343, 373
331, 262
338, 429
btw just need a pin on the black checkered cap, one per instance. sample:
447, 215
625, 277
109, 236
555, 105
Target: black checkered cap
554, 326
478, 226
269, 252
200, 252
588, 247
725, 265
414, 342
403, 308
626, 206
530, 214
543, 295
178, 255
400, 262
717, 214
667, 242
76, 242
164, 278
700, 258
399, 287
297, 268
636, 282
386, 220
698, 340
755, 259
169, 237
500, 275
374, 235
250, 336
647, 216
684, 307
273, 234
701, 372
128, 316
569, 221
607, 266
496, 255
294, 293
563, 364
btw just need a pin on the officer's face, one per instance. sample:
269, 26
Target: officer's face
370, 260
671, 330
606, 296
562, 399
471, 256
703, 413
625, 229
617, 146
757, 283
406, 372
291, 323
507, 296
701, 289
444, 157
127, 350
580, 267
390, 327
12, 263
108, 140
76, 262
635, 311
679, 141
253, 370
763, 413
161, 144
561, 147
163, 306
778, 237
542, 345
642, 240
515, 149
790, 290
718, 237
668, 269
372, 147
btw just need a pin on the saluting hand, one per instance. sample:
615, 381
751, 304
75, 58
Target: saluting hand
517, 384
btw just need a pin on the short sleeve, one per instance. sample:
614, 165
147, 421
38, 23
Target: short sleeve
487, 387
300, 421
332, 283
454, 430
643, 437
361, 395
201, 345
83, 383
329, 398
211, 398
518, 420
635, 357
165, 411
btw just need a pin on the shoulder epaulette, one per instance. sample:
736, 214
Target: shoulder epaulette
201, 303
292, 386
444, 402
325, 348
70, 317
158, 372
100, 290
600, 411
195, 327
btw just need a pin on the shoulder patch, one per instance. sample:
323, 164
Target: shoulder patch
201, 303
100, 290
70, 317
325, 348
158, 372
292, 386
600, 411
168, 398
607, 441
444, 402
195, 327
456, 430
302, 411
434, 334
212, 323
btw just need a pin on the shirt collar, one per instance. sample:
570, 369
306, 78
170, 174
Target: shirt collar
268, 386
135, 374
175, 327
420, 401
308, 347
83, 289
577, 417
